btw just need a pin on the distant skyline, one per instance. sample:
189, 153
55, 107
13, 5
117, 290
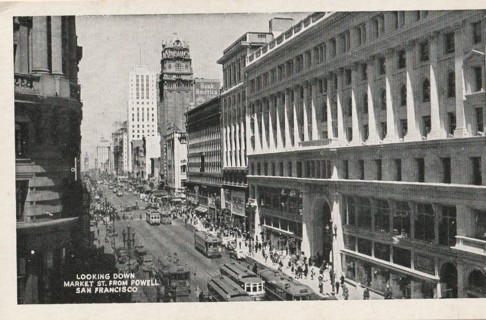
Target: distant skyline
112, 45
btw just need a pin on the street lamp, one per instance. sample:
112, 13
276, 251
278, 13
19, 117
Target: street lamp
332, 234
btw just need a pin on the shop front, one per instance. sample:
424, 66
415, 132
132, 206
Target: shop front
282, 234
238, 212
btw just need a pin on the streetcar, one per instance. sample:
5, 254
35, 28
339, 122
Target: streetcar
280, 287
245, 278
174, 275
222, 288
153, 217
208, 244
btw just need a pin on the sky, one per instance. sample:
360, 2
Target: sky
112, 45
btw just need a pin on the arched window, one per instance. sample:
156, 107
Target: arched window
426, 91
365, 103
451, 84
383, 99
403, 95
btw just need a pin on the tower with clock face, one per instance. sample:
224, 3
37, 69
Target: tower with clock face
175, 90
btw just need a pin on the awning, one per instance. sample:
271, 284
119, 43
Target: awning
279, 230
201, 209
176, 200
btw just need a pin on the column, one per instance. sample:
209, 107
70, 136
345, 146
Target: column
338, 241
307, 224
437, 130
271, 107
242, 137
264, 129
39, 45
315, 131
223, 126
278, 115
237, 139
373, 136
258, 146
461, 129
296, 120
232, 132
330, 131
340, 120
56, 42
288, 143
305, 113
391, 125
413, 132
357, 139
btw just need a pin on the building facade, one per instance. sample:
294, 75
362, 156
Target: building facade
48, 113
120, 151
204, 176
234, 194
175, 92
103, 154
365, 142
143, 113
176, 143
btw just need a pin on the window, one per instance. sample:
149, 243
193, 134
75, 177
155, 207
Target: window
480, 225
351, 212
349, 242
365, 103
366, 132
424, 51
363, 206
349, 134
382, 130
426, 125
361, 170
451, 84
364, 246
21, 139
402, 257
299, 169
447, 226
479, 120
451, 119
403, 128
378, 169
477, 81
364, 72
382, 216
446, 170
401, 220
289, 172
426, 91
402, 62
477, 34
349, 107
398, 169
381, 66
21, 190
403, 95
348, 77
382, 251
449, 43
420, 167
345, 169
475, 176
424, 222
383, 99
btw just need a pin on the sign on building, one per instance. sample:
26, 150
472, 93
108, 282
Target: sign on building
205, 90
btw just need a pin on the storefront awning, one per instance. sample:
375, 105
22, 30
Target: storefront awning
279, 230
202, 209
238, 214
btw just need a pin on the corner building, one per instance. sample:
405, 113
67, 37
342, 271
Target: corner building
366, 145
49, 193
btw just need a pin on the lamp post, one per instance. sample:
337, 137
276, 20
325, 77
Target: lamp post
332, 234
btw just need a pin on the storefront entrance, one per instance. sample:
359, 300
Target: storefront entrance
448, 279
325, 227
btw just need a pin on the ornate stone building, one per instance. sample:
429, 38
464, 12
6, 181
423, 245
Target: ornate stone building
48, 113
175, 91
365, 141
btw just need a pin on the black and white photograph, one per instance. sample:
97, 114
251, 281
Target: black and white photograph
283, 155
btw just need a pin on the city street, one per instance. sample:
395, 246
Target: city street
166, 240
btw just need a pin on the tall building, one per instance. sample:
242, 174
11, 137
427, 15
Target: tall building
120, 151
48, 113
176, 144
366, 146
204, 175
103, 151
175, 91
86, 162
143, 114
233, 114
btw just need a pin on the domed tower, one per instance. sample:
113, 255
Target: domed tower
175, 89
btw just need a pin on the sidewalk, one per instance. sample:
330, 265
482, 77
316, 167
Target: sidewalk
354, 292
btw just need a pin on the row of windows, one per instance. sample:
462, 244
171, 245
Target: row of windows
233, 72
368, 170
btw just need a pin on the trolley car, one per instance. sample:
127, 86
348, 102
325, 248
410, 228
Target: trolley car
173, 275
224, 289
280, 287
245, 278
208, 244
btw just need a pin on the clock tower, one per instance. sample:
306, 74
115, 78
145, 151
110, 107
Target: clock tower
175, 90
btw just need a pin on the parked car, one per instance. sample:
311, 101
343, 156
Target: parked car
237, 254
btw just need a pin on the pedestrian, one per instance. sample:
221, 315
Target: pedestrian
280, 265
388, 293
306, 270
366, 294
312, 273
337, 287
321, 284
239, 243
345, 293
342, 280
